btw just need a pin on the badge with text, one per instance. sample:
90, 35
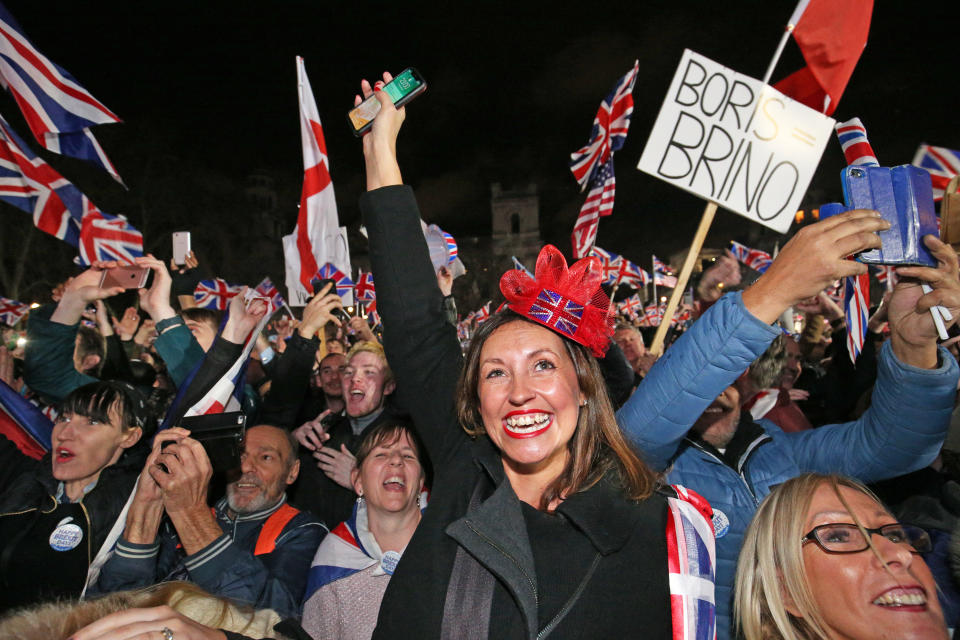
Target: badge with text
66, 535
389, 562
729, 138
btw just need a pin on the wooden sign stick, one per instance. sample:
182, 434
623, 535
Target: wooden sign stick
708, 212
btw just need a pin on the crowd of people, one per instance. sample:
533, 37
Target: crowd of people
551, 475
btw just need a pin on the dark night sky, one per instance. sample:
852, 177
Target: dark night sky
513, 90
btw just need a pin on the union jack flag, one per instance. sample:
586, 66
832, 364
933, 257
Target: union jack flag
215, 294
341, 281
886, 275
653, 314
365, 289
754, 258
519, 266
856, 302
630, 306
856, 147
482, 314
11, 311
554, 310
609, 263
592, 165
107, 237
57, 109
691, 560
267, 289
661, 274
452, 250
30, 184
631, 275
941, 163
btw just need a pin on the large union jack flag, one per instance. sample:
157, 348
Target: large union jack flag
11, 311
107, 237
592, 165
941, 163
215, 294
557, 311
754, 258
365, 289
341, 281
58, 110
30, 184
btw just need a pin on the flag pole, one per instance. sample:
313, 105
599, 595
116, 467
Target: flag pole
709, 211
791, 24
653, 279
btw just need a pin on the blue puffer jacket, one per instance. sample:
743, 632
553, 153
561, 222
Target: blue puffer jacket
902, 431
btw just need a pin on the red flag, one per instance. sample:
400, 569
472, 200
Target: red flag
831, 35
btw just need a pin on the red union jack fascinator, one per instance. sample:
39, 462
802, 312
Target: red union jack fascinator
569, 301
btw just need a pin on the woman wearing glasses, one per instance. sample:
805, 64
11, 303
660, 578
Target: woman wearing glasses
824, 559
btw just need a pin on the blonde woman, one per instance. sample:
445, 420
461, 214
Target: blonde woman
824, 559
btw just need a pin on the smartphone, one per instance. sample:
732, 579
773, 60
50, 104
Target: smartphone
318, 285
402, 89
221, 435
181, 246
904, 197
126, 276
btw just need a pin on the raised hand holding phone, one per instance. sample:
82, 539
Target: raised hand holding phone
402, 89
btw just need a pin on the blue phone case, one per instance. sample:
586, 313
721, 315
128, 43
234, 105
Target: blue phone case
904, 197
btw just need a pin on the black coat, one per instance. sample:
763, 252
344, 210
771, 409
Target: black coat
473, 544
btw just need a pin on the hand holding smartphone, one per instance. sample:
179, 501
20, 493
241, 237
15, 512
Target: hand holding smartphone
402, 89
126, 276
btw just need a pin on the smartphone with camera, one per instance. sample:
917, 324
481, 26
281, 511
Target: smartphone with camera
402, 89
181, 246
904, 197
126, 276
221, 435
318, 285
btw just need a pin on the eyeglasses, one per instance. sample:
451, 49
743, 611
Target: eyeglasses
847, 538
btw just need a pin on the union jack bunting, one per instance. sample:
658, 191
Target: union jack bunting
554, 310
57, 109
856, 147
519, 266
452, 250
215, 294
107, 237
364, 289
592, 165
661, 274
754, 258
11, 311
941, 163
341, 281
30, 184
267, 289
691, 562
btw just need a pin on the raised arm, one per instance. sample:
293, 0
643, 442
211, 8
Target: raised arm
420, 344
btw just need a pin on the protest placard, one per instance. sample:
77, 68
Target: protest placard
735, 141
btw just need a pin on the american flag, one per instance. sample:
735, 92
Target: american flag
941, 163
856, 147
592, 165
365, 289
341, 281
856, 289
267, 289
754, 258
107, 237
11, 311
30, 184
58, 110
661, 274
215, 294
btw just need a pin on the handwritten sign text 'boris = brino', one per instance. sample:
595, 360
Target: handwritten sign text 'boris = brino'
733, 140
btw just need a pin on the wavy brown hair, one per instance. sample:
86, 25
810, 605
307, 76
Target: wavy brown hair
597, 446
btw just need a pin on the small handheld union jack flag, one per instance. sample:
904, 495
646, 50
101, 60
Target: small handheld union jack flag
452, 250
630, 306
267, 289
365, 289
341, 281
754, 258
662, 275
942, 164
215, 294
482, 314
11, 311
107, 237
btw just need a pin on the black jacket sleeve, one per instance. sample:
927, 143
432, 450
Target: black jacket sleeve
290, 381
